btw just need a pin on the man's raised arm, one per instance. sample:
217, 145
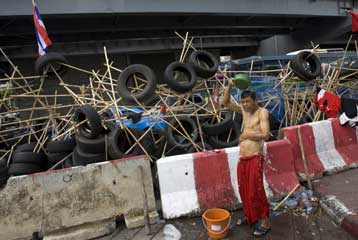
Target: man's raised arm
226, 101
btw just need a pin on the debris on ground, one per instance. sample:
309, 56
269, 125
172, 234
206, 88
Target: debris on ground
171, 233
301, 202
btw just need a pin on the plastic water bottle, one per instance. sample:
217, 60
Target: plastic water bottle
306, 201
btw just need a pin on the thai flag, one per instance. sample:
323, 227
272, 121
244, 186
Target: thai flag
43, 41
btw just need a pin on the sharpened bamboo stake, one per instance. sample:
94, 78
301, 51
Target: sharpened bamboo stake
187, 136
191, 45
184, 44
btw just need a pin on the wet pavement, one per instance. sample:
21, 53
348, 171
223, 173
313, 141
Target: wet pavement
286, 226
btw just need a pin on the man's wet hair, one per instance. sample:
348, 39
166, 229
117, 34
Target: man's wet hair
248, 93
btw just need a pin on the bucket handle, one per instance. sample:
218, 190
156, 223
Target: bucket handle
222, 231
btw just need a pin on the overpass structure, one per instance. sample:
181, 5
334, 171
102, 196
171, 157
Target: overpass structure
82, 27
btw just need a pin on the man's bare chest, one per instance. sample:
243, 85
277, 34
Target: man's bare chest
251, 121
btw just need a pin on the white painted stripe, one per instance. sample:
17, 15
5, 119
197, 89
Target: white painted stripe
177, 185
326, 151
177, 204
233, 155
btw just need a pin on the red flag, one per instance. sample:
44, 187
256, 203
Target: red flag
354, 21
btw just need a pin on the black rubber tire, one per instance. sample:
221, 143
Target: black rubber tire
209, 60
3, 180
301, 60
198, 99
3, 163
82, 158
237, 120
219, 141
273, 135
17, 169
29, 158
157, 139
173, 83
170, 132
118, 143
86, 145
93, 127
215, 128
68, 163
149, 89
349, 106
61, 146
192, 149
53, 158
173, 151
4, 171
274, 123
27, 147
52, 57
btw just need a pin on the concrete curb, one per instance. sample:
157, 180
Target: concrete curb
341, 215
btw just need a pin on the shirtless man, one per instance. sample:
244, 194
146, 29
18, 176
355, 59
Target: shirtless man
256, 130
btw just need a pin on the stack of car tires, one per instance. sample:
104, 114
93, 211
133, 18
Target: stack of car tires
90, 139
25, 161
56, 151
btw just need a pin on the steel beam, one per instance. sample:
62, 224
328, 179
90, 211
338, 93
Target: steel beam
134, 45
234, 7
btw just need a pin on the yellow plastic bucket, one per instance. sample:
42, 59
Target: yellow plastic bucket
217, 222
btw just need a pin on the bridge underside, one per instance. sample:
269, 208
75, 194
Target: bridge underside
86, 29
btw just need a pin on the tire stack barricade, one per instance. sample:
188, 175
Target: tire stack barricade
90, 139
56, 151
25, 160
194, 120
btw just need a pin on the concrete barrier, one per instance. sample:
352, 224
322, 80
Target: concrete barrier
319, 142
192, 183
51, 201
346, 142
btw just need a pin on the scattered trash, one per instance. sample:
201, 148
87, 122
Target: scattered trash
276, 213
306, 201
302, 202
171, 233
291, 202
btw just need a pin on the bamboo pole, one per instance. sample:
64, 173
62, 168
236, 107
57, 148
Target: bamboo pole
182, 38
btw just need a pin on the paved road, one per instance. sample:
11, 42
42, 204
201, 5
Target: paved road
286, 226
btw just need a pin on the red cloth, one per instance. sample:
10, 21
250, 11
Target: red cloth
163, 109
328, 103
354, 21
251, 188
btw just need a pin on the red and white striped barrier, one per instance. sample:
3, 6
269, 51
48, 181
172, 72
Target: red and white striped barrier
346, 142
192, 183
328, 148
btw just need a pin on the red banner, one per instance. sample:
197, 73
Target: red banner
354, 21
